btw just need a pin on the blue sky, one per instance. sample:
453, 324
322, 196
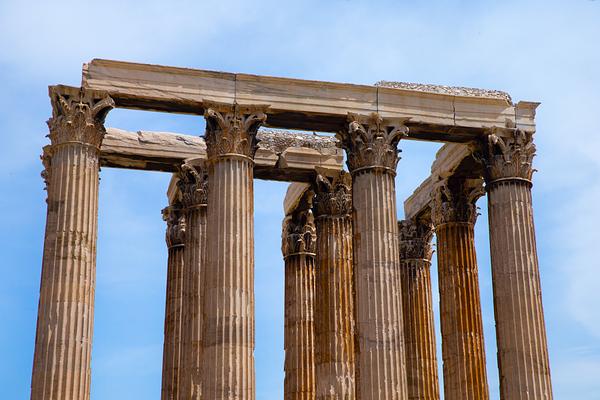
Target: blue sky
543, 51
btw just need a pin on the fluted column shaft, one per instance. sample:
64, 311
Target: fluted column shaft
173, 306
334, 305
229, 305
520, 329
371, 145
417, 310
228, 358
193, 189
298, 248
463, 349
63, 345
299, 337
299, 368
334, 321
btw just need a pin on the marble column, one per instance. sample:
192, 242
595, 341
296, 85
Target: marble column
298, 247
334, 305
175, 236
63, 343
371, 147
228, 358
193, 189
454, 214
520, 329
417, 310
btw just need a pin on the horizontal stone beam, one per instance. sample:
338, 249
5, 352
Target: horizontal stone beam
448, 161
451, 114
281, 156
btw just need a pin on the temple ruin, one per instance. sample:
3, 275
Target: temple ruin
359, 320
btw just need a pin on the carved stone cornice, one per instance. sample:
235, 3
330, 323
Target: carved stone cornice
333, 196
299, 234
453, 200
78, 116
231, 128
509, 157
175, 234
415, 240
193, 185
372, 142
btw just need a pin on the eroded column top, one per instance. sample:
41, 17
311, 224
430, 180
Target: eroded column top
298, 232
415, 239
193, 184
333, 195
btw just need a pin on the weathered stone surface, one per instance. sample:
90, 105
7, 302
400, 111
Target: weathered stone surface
520, 328
448, 90
298, 248
463, 351
164, 151
307, 105
278, 141
334, 306
417, 310
380, 363
175, 238
63, 345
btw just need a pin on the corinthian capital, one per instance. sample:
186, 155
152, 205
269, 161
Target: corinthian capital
372, 142
333, 196
78, 116
510, 156
193, 185
175, 235
415, 240
299, 234
453, 200
231, 129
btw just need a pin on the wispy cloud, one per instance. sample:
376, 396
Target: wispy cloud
538, 50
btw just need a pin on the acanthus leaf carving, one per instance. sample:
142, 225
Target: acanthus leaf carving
415, 240
372, 142
175, 234
299, 233
193, 185
509, 156
232, 128
78, 116
453, 200
333, 196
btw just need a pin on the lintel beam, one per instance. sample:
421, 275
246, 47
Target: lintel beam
450, 160
304, 104
281, 156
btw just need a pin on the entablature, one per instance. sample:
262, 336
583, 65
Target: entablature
434, 115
